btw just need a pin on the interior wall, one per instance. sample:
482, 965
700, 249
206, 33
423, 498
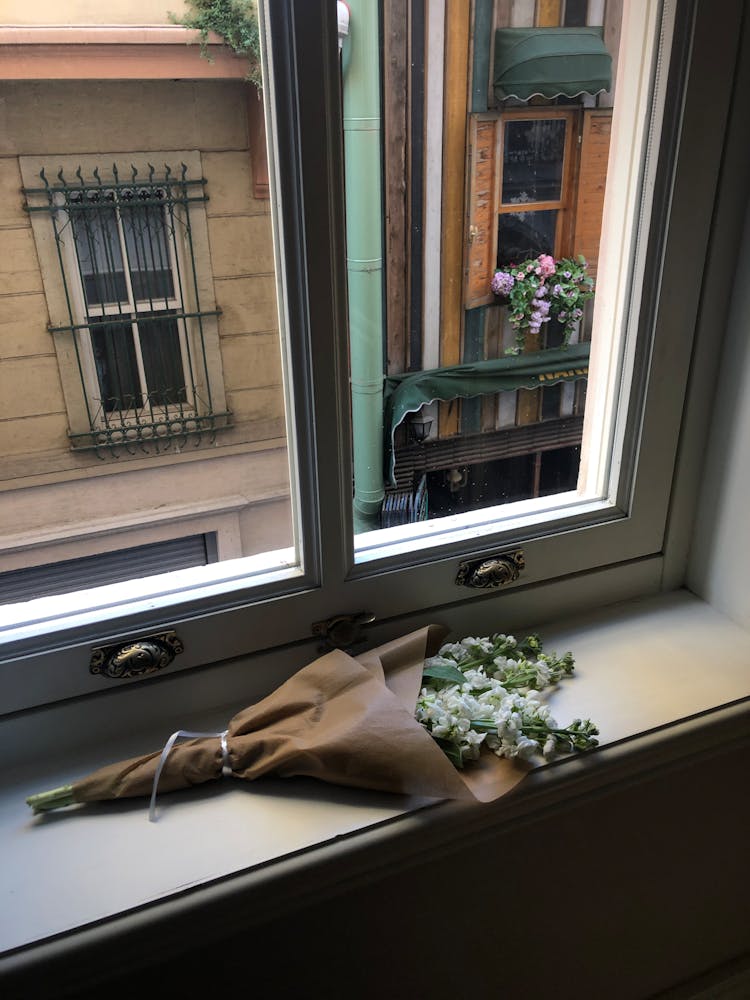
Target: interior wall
619, 896
718, 565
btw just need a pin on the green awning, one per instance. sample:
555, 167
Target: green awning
407, 393
551, 62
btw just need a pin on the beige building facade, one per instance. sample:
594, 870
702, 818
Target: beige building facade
120, 111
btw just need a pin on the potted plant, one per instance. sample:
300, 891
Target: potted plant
540, 289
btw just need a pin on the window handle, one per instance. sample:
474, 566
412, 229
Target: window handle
343, 631
136, 657
490, 572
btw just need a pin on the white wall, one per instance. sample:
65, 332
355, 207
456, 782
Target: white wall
719, 568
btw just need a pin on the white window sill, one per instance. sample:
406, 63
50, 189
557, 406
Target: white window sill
664, 678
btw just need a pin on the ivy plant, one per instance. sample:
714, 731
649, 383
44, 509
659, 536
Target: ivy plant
235, 21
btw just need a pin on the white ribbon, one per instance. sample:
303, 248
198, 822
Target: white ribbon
226, 767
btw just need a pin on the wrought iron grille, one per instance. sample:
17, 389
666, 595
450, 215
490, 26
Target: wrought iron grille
127, 260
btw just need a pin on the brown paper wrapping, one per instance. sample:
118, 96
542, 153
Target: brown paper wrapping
342, 719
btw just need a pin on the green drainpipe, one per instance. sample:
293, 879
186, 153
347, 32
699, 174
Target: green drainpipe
364, 242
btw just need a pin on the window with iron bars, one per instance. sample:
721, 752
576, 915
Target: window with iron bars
127, 259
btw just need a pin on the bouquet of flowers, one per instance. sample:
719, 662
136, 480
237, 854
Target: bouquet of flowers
485, 693
396, 719
542, 288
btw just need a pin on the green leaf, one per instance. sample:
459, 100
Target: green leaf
444, 672
483, 726
451, 751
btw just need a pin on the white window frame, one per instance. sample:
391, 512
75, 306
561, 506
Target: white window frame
620, 540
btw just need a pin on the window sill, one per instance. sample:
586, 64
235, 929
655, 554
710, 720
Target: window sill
666, 679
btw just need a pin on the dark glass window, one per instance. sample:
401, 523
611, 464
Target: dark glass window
116, 366
146, 245
575, 13
551, 401
162, 361
97, 243
525, 234
533, 155
559, 470
482, 484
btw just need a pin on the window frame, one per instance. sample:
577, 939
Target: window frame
564, 205
564, 555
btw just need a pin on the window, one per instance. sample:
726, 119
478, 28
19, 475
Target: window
127, 263
535, 175
578, 548
535, 185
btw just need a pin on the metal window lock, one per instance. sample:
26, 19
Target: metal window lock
491, 571
343, 631
136, 657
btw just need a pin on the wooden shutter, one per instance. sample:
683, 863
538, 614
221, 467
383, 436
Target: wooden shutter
481, 234
592, 179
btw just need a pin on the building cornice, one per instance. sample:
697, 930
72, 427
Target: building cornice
130, 52
113, 52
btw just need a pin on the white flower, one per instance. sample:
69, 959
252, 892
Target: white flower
525, 747
439, 661
448, 710
454, 650
542, 674
484, 644
475, 739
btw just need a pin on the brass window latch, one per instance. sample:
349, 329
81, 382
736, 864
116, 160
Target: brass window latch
136, 657
491, 571
343, 631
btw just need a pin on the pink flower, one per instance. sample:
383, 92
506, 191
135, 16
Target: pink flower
546, 264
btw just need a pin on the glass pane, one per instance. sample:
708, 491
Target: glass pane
160, 409
533, 155
482, 484
523, 235
97, 244
559, 470
551, 400
554, 333
116, 366
575, 13
162, 360
146, 244
481, 372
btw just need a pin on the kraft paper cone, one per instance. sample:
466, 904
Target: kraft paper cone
341, 719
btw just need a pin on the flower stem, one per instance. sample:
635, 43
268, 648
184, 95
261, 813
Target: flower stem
55, 798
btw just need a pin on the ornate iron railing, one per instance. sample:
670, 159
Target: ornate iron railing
125, 247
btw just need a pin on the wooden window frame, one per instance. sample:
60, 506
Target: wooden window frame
564, 205
484, 192
481, 240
